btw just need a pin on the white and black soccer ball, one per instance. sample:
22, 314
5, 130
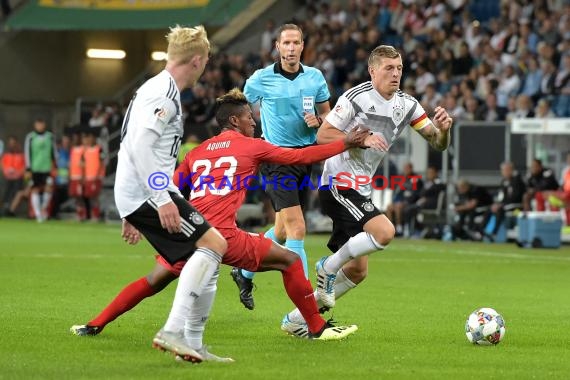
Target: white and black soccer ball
485, 327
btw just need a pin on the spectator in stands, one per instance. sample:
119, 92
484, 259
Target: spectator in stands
456, 111
523, 107
40, 153
13, 168
471, 109
98, 117
405, 195
268, 37
491, 112
538, 180
509, 198
463, 61
532, 79
562, 88
473, 202
423, 79
547, 81
508, 85
431, 98
543, 110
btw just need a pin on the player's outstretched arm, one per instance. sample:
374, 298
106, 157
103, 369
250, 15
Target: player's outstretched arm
329, 133
438, 132
356, 138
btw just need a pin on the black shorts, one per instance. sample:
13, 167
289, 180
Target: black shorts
284, 184
349, 211
172, 247
41, 179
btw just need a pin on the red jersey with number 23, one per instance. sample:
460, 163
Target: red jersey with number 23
217, 171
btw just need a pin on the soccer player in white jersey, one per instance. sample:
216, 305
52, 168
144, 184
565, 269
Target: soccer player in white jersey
359, 228
149, 202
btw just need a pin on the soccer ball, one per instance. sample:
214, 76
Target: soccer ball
485, 327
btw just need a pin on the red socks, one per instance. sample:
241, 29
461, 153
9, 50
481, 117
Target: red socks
128, 298
300, 291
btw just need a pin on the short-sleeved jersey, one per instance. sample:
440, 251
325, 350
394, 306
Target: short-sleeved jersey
363, 105
219, 171
155, 106
284, 98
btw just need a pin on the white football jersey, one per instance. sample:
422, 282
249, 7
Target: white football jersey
156, 106
363, 105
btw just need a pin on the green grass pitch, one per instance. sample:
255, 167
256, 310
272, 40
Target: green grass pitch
411, 312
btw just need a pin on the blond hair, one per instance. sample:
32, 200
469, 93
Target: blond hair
184, 43
382, 51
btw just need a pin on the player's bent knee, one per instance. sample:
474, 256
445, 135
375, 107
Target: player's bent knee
213, 240
381, 229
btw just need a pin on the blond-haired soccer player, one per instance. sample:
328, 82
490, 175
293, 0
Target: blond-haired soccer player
359, 228
149, 202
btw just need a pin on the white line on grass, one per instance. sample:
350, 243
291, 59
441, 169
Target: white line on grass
519, 256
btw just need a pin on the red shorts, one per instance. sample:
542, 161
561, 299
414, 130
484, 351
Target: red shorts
75, 188
174, 269
92, 188
245, 250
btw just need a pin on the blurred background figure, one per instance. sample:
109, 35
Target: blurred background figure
61, 193
539, 179
13, 168
405, 196
76, 173
190, 143
473, 202
94, 172
40, 154
509, 198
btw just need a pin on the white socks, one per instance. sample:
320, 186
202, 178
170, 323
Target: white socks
342, 285
199, 312
194, 278
36, 204
45, 200
358, 245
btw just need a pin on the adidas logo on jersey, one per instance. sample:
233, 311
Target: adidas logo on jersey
372, 109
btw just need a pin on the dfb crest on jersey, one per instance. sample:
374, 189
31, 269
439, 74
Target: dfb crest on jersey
196, 218
367, 206
398, 114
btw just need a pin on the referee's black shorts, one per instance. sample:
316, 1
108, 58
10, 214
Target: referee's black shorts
349, 211
284, 184
176, 246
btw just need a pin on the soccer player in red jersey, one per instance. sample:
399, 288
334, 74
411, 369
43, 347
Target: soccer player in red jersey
216, 173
